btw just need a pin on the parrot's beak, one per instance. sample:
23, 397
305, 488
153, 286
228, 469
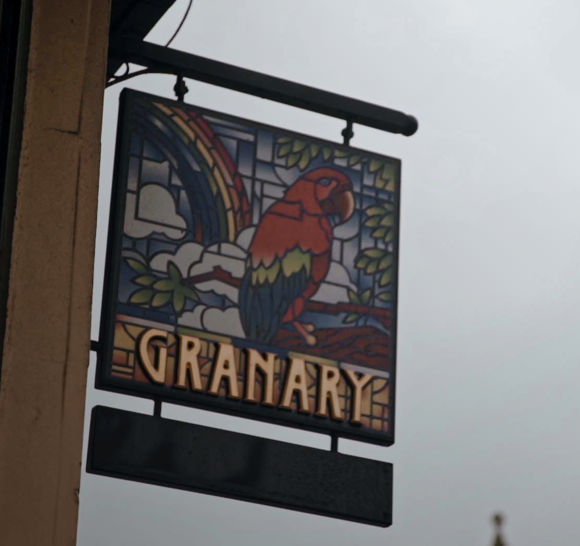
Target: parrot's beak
341, 203
345, 205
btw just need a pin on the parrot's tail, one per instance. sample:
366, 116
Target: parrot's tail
259, 310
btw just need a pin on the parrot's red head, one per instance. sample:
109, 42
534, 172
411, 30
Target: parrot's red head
324, 191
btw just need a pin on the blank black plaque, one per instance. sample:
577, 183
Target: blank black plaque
149, 449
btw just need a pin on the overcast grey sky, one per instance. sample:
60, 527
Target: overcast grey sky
489, 303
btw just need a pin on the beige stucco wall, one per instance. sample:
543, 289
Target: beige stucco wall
46, 347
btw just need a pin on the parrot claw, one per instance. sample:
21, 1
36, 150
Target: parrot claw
310, 340
304, 330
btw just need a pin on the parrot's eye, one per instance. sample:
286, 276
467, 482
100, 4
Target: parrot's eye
325, 181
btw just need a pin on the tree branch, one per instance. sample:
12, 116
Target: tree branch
218, 274
382, 315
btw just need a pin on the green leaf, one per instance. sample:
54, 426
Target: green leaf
375, 165
178, 301
374, 211
341, 153
284, 140
190, 293
293, 159
388, 171
386, 183
388, 220
142, 296
326, 153
160, 299
164, 285
372, 267
388, 236
314, 150
361, 262
379, 232
373, 221
365, 297
304, 160
386, 277
353, 317
374, 252
137, 266
299, 145
174, 273
145, 280
284, 150
353, 296
353, 160
385, 262
385, 296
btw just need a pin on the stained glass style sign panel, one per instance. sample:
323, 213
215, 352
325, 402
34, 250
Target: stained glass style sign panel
251, 270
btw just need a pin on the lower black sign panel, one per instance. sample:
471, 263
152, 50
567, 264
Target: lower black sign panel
170, 453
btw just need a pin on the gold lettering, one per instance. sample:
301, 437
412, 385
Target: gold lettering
296, 381
189, 348
156, 374
225, 368
266, 366
328, 389
358, 384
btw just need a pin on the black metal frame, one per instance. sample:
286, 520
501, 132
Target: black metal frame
156, 58
104, 346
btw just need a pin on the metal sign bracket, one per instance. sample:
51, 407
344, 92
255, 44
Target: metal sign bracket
163, 60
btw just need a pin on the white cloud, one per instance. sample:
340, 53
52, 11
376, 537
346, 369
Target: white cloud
193, 318
186, 255
219, 287
228, 249
157, 214
211, 259
214, 320
223, 322
233, 262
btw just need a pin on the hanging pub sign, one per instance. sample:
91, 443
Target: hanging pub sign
251, 270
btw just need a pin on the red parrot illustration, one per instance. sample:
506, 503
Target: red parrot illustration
289, 255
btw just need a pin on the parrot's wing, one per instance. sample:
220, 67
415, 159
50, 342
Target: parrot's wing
266, 293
